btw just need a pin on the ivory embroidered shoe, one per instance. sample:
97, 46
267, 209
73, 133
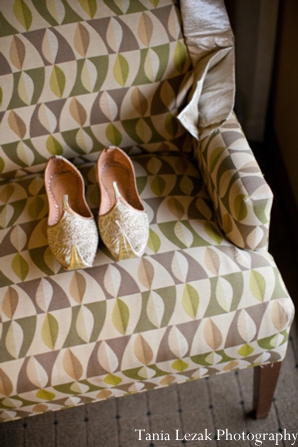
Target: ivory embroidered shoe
122, 219
72, 231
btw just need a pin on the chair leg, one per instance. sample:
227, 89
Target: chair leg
265, 380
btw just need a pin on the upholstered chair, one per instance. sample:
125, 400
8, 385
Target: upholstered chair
155, 78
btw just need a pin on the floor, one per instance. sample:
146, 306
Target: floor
210, 408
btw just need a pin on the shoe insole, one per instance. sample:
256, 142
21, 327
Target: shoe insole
115, 172
66, 183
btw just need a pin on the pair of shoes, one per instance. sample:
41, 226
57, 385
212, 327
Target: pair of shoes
122, 220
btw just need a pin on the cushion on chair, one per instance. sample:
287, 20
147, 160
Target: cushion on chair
193, 306
210, 43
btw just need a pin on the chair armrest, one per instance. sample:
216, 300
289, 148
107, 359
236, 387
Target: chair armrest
241, 196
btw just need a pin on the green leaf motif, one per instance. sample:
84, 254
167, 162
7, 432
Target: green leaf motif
215, 156
113, 135
171, 124
190, 301
180, 56
121, 70
22, 13
240, 207
212, 233
1, 95
245, 350
53, 146
154, 3
261, 210
154, 241
90, 6
120, 316
158, 185
179, 365
113, 380
36, 207
50, 330
20, 266
57, 81
45, 395
257, 285
273, 341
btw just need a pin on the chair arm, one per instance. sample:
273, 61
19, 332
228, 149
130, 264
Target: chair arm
241, 196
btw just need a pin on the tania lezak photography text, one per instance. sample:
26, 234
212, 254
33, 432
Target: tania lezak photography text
256, 439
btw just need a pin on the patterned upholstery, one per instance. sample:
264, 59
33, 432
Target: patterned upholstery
195, 304
81, 77
241, 197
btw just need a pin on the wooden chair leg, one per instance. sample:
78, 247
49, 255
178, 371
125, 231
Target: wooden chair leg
265, 380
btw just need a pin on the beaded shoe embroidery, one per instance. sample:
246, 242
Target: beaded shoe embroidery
122, 221
72, 232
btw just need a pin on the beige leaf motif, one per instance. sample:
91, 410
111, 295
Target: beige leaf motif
212, 261
10, 302
77, 287
107, 358
108, 106
81, 40
36, 373
57, 10
175, 207
72, 365
139, 101
5, 384
143, 131
44, 295
77, 111
17, 52
18, 238
145, 29
89, 75
173, 24
50, 46
47, 118
16, 124
180, 266
14, 339
25, 153
25, 88
84, 141
168, 96
246, 326
112, 280
155, 309
279, 316
114, 35
85, 323
151, 65
142, 350
212, 334
6, 193
177, 342
146, 273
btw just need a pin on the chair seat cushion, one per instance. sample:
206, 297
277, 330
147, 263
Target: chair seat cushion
192, 306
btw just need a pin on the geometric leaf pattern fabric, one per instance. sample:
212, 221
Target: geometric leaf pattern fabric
79, 77
194, 305
241, 196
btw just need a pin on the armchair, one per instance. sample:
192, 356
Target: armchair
155, 78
